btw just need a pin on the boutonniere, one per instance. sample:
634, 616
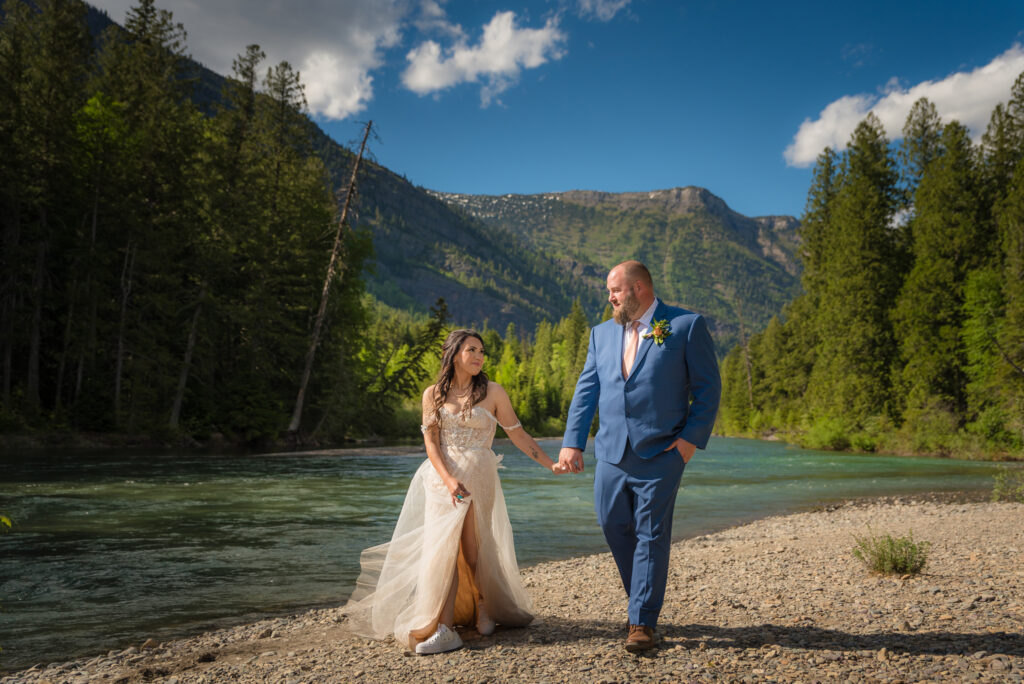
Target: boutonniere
659, 331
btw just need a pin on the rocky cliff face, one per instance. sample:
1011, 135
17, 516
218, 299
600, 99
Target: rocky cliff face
704, 255
774, 237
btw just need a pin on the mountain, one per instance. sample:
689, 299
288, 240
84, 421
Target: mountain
524, 258
425, 249
703, 255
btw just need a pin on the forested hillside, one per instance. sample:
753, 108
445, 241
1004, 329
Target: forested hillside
163, 260
736, 270
910, 334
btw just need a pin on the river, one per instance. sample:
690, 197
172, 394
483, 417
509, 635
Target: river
112, 547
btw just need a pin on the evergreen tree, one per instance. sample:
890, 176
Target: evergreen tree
1010, 343
851, 377
144, 68
1003, 144
987, 391
816, 225
44, 51
951, 239
922, 134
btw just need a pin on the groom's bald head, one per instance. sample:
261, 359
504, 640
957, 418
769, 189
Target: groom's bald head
630, 290
634, 271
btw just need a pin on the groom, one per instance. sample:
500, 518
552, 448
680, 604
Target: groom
652, 372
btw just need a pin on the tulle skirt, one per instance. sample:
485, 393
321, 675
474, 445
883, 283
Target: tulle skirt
404, 583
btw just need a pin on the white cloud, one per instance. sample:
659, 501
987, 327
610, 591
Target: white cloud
604, 10
335, 44
432, 19
966, 96
503, 51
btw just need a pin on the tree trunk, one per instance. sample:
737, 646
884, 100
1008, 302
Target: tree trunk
186, 363
7, 353
12, 242
59, 388
126, 289
32, 393
90, 294
332, 265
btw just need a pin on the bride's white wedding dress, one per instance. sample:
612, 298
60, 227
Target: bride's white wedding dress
404, 583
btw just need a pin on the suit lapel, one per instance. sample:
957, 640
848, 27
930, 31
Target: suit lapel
620, 330
645, 343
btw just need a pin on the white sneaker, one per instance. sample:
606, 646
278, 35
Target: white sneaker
442, 640
484, 623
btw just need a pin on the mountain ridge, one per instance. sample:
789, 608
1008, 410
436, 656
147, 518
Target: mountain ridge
736, 270
521, 266
676, 200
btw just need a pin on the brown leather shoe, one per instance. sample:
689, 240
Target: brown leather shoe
641, 638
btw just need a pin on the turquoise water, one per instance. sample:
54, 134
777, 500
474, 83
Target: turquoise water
112, 548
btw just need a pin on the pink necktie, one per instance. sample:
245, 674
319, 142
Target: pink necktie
629, 353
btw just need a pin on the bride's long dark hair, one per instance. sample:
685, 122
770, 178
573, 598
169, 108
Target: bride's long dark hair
451, 347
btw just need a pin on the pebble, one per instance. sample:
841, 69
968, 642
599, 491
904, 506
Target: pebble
779, 599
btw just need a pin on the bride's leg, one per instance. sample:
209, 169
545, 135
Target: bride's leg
469, 552
470, 543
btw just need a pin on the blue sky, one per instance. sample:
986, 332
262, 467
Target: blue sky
619, 95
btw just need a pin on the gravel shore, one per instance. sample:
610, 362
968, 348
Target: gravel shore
779, 599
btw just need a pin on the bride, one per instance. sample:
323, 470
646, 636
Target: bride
451, 559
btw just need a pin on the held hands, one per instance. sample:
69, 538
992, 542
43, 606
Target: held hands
558, 469
571, 460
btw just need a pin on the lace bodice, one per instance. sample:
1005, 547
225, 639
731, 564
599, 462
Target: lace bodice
475, 430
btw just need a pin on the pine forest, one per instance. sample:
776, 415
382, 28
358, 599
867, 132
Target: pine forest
909, 334
164, 255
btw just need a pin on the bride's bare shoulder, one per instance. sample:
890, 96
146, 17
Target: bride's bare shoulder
429, 392
494, 389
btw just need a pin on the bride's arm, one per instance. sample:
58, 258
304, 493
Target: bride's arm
506, 416
432, 441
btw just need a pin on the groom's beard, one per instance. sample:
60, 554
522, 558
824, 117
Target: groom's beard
628, 310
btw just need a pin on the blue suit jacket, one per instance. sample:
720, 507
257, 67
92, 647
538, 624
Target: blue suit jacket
672, 392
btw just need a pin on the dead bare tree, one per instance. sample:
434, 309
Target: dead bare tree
334, 267
186, 364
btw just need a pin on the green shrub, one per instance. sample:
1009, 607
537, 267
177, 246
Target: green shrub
827, 433
1009, 485
864, 441
930, 429
889, 556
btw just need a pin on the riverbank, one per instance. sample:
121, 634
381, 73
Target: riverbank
962, 447
779, 599
88, 441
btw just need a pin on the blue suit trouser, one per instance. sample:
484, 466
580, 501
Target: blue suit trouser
634, 500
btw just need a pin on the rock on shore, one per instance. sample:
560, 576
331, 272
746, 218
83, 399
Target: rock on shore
780, 599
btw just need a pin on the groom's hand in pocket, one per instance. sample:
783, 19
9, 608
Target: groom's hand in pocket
571, 459
684, 448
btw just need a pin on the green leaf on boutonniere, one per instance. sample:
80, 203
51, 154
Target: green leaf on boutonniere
659, 331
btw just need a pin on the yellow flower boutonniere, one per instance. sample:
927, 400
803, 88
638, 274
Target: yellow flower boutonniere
659, 331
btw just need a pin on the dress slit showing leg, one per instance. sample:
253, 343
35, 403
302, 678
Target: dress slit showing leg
404, 583
465, 601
